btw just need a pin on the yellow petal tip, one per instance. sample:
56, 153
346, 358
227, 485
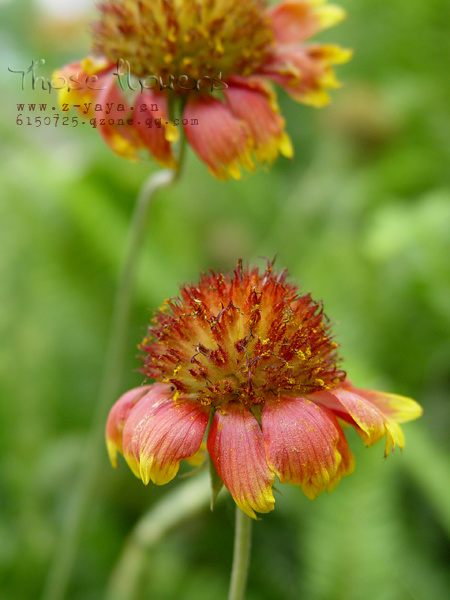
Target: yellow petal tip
112, 452
330, 15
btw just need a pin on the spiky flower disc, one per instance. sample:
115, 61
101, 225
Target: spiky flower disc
241, 337
196, 38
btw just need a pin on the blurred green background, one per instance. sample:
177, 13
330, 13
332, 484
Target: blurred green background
361, 217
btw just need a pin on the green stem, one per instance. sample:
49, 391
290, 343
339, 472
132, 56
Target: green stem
241, 555
93, 458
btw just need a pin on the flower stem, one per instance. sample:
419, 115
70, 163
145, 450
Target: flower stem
241, 555
93, 459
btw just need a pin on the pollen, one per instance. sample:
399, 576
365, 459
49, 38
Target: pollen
197, 38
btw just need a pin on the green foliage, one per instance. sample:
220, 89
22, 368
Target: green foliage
361, 217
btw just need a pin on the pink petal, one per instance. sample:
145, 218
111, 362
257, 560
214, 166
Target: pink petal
297, 20
305, 445
161, 431
305, 71
71, 84
122, 139
223, 142
236, 447
398, 408
117, 417
347, 464
251, 101
359, 407
156, 137
369, 420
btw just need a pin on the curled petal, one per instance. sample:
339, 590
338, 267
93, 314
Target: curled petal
236, 447
223, 142
354, 409
297, 20
254, 103
398, 408
160, 432
153, 127
394, 436
305, 445
117, 417
305, 72
371, 423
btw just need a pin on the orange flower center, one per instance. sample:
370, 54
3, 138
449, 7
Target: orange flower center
241, 337
196, 38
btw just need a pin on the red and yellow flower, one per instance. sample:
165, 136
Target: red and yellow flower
246, 353
222, 56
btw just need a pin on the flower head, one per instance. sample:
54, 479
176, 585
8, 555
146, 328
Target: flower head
211, 63
248, 353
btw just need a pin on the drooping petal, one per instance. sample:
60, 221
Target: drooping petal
371, 422
236, 447
398, 408
355, 410
113, 124
159, 432
304, 444
117, 417
305, 72
80, 82
297, 20
92, 89
223, 142
251, 101
152, 122
347, 464
199, 458
394, 436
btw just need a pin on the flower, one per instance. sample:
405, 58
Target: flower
209, 62
248, 354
